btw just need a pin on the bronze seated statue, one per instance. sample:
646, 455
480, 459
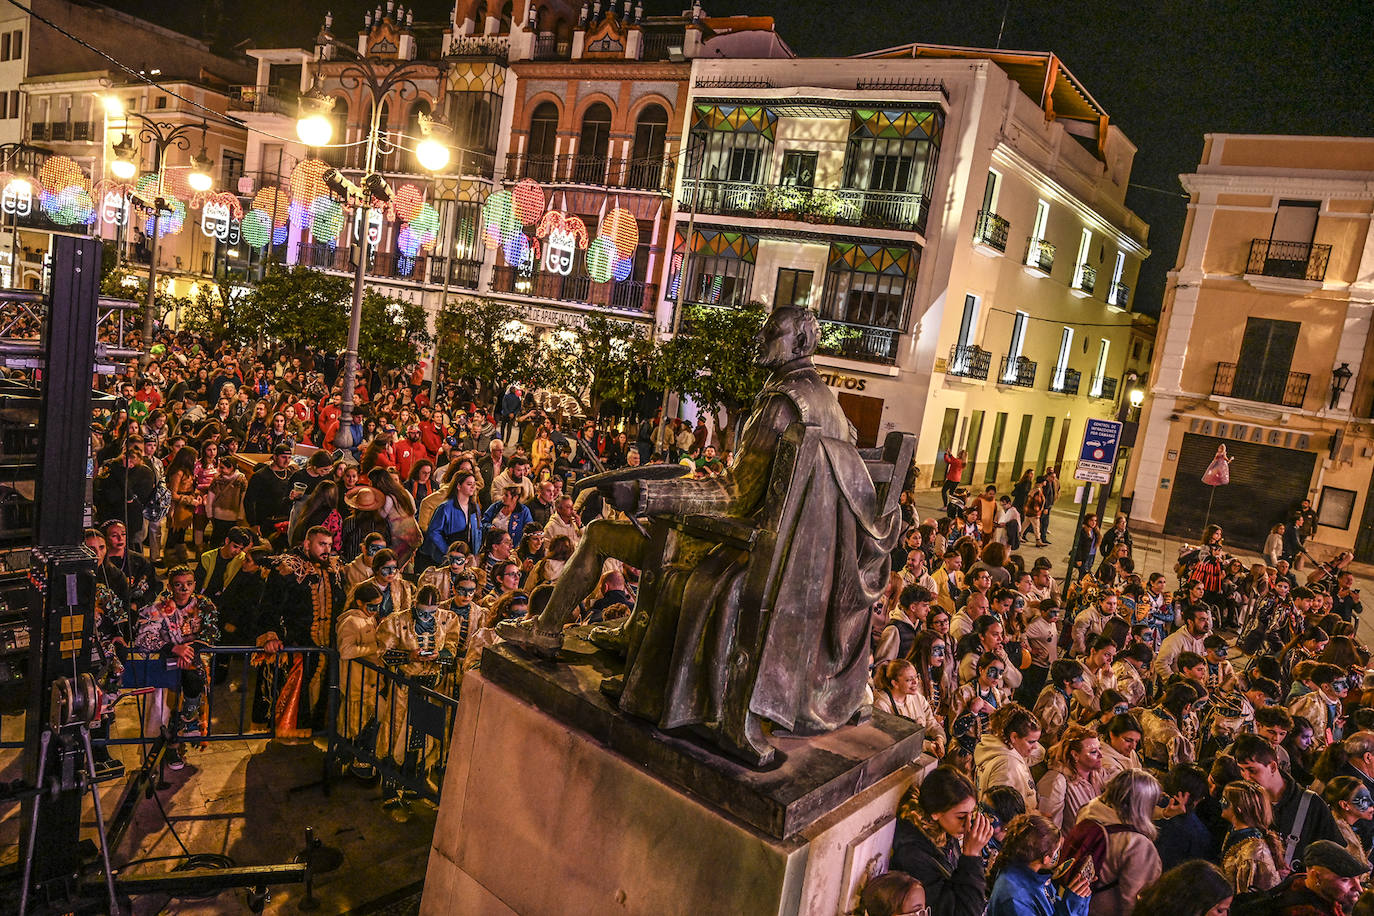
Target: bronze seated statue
755, 585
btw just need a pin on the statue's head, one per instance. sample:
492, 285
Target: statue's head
791, 332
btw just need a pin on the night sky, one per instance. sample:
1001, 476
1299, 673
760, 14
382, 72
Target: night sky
1166, 72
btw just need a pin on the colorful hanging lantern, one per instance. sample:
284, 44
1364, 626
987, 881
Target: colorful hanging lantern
528, 198
58, 172
172, 219
601, 259
275, 203
257, 228
280, 234
516, 249
307, 181
327, 219
406, 201
622, 269
407, 243
620, 227
426, 221
500, 212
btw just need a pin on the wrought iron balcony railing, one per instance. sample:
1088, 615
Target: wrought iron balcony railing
902, 210
1039, 254
859, 342
1103, 388
970, 361
623, 295
1086, 279
1119, 295
1067, 382
1019, 372
551, 47
647, 174
461, 272
1290, 260
268, 99
991, 230
1261, 384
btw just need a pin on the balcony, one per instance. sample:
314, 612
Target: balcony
1260, 384
493, 46
1287, 261
457, 272
858, 342
969, 361
659, 45
899, 210
385, 264
1103, 388
1018, 372
1084, 283
1039, 257
990, 232
651, 174
551, 47
625, 295
263, 99
1119, 297
1067, 383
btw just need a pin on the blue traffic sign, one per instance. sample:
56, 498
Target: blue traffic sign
1101, 439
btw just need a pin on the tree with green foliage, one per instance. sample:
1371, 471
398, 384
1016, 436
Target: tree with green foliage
220, 310
598, 358
484, 340
299, 306
393, 330
711, 360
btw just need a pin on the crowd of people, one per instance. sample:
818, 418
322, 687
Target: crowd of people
1126, 740
1115, 744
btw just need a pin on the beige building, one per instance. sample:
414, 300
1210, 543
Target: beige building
1264, 345
955, 216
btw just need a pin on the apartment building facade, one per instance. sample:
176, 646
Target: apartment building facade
1264, 346
964, 241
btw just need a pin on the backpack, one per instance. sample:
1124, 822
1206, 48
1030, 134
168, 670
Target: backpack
1089, 839
1264, 903
159, 504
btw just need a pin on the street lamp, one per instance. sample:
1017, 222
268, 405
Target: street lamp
313, 128
162, 136
1340, 378
17, 196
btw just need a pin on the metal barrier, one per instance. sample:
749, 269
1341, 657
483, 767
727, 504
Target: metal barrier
398, 724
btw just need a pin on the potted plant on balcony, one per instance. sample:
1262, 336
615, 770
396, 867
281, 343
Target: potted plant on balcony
823, 207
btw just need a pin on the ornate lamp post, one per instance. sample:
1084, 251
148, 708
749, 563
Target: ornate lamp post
315, 130
162, 136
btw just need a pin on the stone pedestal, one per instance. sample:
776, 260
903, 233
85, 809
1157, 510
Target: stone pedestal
608, 815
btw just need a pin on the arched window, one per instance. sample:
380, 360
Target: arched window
651, 130
507, 16
593, 146
413, 132
336, 155
543, 141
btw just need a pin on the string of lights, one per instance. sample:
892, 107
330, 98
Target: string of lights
1077, 324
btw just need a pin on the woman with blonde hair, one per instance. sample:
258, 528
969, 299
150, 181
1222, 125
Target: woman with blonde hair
897, 690
1251, 851
1074, 777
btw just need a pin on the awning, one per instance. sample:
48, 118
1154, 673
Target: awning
872, 259
719, 244
888, 124
744, 119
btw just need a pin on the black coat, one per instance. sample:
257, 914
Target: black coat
954, 882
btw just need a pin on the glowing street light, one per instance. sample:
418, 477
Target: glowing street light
432, 154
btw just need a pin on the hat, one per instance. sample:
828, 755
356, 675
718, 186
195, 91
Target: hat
368, 499
1334, 858
282, 448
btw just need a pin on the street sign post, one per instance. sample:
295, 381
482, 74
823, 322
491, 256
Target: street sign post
1097, 458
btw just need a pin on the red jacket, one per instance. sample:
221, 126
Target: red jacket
408, 454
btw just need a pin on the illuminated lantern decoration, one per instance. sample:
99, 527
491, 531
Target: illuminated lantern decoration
173, 217
601, 259
407, 243
426, 222
326, 219
307, 181
275, 203
622, 269
528, 198
257, 228
620, 227
114, 208
516, 248
216, 220
406, 201
563, 232
18, 197
491, 235
59, 172
500, 212
280, 235
298, 215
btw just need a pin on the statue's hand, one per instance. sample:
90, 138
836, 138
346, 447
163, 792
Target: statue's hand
622, 494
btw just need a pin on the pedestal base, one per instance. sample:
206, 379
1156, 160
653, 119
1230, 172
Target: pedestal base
539, 818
